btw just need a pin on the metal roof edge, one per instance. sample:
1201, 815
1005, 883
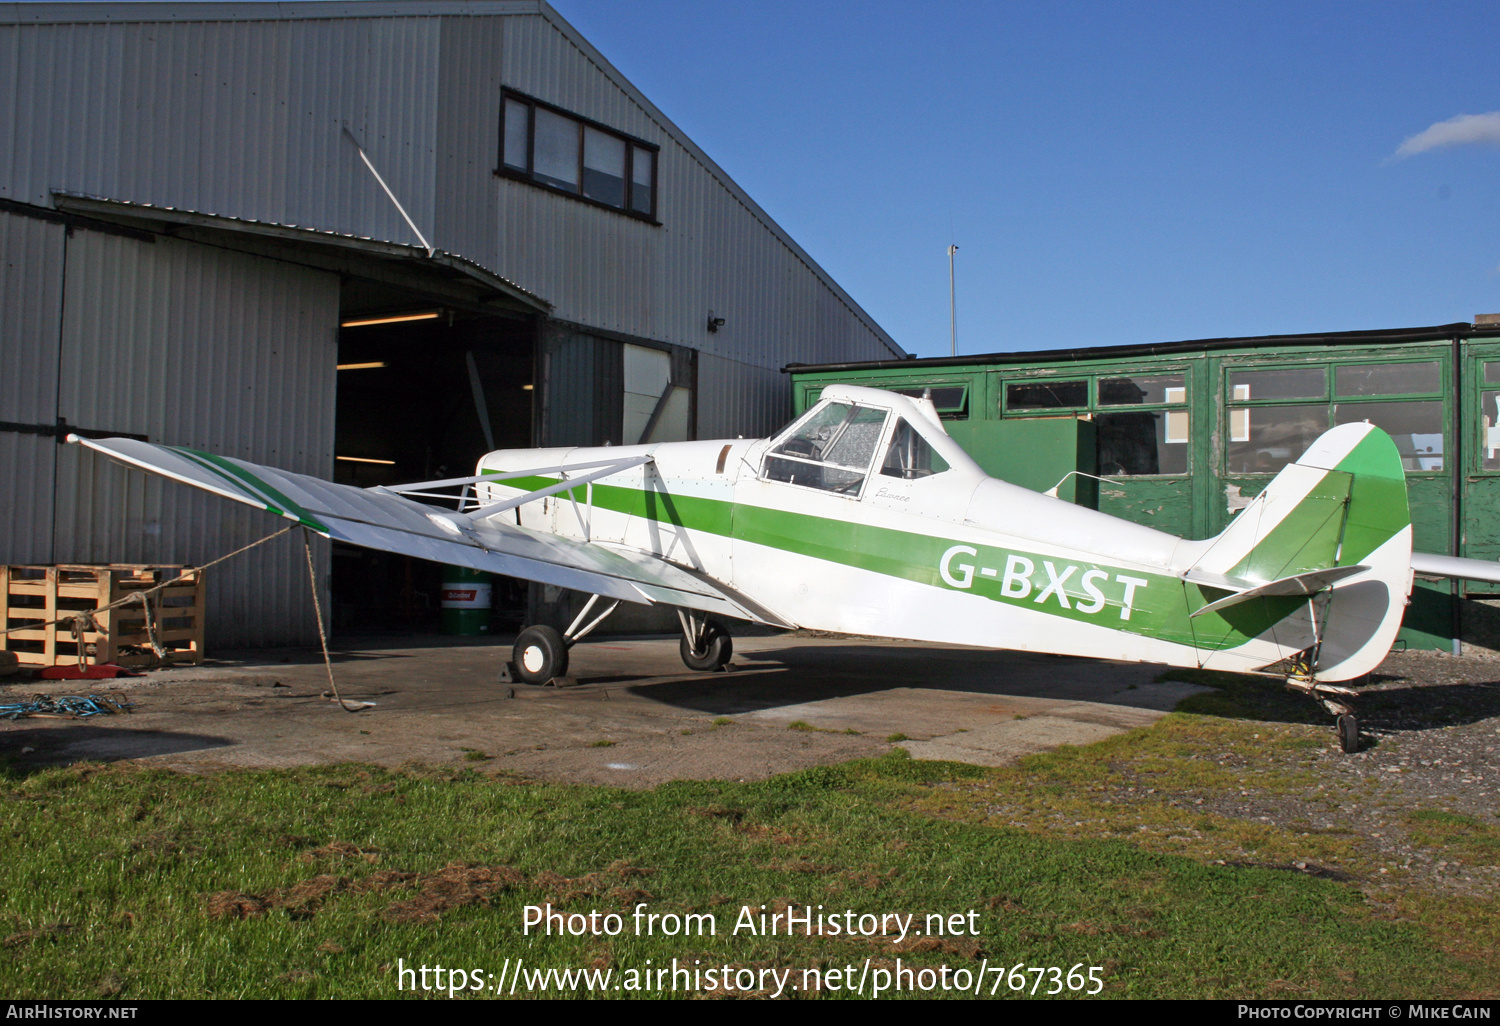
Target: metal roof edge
1434, 333
96, 13
104, 208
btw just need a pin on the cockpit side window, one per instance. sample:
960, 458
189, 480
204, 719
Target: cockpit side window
910, 456
831, 451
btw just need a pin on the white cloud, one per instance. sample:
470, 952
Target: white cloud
1464, 130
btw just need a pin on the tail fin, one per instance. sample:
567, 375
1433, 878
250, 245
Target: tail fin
1342, 504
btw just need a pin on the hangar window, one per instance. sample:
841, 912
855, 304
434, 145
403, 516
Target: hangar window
1489, 418
1141, 421
1274, 414
1046, 395
547, 146
951, 401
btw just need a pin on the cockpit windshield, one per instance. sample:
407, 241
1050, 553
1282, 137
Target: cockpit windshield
831, 450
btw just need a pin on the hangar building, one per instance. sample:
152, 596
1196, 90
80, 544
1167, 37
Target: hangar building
367, 241
1185, 434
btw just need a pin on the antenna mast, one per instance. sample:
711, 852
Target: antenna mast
952, 306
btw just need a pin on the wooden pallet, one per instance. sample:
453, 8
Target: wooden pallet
39, 594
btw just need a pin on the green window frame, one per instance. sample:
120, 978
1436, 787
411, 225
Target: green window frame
1272, 412
951, 398
1484, 393
1161, 393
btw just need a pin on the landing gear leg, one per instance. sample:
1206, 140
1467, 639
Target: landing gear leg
541, 653
706, 644
1331, 697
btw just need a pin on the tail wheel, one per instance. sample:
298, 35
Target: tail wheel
539, 655
1348, 733
713, 650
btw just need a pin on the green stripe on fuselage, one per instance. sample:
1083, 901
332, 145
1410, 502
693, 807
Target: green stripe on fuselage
1159, 608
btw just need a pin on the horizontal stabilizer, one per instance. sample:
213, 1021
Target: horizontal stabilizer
1453, 566
1309, 583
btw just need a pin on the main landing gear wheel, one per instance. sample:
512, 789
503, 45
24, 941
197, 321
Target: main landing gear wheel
540, 654
713, 650
1349, 733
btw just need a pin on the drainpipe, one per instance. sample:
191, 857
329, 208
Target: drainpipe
1456, 586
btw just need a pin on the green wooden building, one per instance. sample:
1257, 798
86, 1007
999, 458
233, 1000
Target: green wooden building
1181, 435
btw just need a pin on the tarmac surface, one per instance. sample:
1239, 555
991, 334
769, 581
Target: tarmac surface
635, 718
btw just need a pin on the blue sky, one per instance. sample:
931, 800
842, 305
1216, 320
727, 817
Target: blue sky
1112, 173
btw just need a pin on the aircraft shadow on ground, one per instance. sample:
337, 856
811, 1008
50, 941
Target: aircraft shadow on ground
66, 744
771, 678
1411, 708
1429, 708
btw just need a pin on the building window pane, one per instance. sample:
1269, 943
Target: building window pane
603, 167
642, 173
1417, 428
564, 152
517, 126
1142, 388
1491, 373
1489, 426
1264, 439
951, 401
1142, 443
1298, 383
1387, 379
1046, 395
556, 157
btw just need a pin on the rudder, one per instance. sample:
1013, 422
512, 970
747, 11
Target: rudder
1342, 504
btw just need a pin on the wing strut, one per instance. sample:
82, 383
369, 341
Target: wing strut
611, 467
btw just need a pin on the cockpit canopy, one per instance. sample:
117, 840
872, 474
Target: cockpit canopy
837, 445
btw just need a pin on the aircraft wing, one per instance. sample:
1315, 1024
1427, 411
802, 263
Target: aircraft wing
1428, 565
381, 519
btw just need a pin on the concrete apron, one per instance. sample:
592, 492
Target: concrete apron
635, 718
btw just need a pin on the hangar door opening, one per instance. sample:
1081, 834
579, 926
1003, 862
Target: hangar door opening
423, 393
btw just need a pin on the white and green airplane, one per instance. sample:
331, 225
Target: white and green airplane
864, 517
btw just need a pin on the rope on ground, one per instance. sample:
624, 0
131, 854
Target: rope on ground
312, 579
71, 707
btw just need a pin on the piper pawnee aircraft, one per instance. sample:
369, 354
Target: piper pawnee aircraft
864, 517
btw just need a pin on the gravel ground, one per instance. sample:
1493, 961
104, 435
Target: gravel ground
1431, 745
1433, 726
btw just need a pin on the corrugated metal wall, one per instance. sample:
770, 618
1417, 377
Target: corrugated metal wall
583, 387
468, 138
211, 349
240, 118
740, 399
31, 262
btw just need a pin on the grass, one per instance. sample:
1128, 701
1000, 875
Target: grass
319, 882
1462, 836
805, 727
